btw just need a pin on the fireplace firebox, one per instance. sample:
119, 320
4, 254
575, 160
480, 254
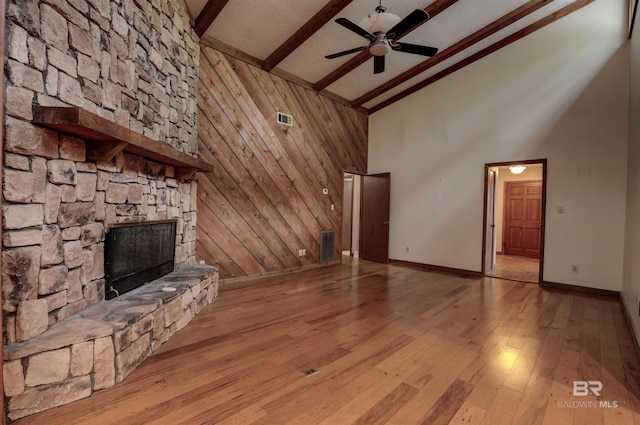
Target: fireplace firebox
137, 253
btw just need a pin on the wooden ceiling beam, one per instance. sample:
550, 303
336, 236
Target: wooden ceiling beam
433, 9
208, 14
458, 47
576, 5
325, 14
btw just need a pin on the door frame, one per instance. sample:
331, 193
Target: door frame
351, 177
490, 222
485, 217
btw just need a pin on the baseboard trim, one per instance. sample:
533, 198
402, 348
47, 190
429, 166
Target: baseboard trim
632, 327
242, 279
577, 288
432, 268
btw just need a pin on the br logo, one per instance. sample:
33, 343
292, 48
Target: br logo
583, 388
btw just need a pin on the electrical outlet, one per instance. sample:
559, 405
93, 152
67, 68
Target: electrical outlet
406, 249
560, 210
574, 268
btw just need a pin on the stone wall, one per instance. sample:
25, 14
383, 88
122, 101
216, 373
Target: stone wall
134, 62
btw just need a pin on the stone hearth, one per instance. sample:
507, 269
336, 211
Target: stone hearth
99, 346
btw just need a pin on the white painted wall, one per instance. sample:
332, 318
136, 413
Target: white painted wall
631, 278
561, 94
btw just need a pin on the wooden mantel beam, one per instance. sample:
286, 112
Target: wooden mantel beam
105, 139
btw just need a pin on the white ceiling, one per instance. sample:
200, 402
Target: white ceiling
257, 28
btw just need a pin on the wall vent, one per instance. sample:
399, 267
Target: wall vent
285, 119
327, 245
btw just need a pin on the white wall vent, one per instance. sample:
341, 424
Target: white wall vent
285, 119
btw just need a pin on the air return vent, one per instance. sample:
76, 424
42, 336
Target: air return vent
327, 245
285, 119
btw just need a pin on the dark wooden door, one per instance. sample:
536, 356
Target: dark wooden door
374, 221
522, 218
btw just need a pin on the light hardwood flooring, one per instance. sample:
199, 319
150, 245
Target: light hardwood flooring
512, 267
392, 345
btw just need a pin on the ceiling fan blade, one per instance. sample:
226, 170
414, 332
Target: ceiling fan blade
416, 49
346, 52
378, 64
355, 28
415, 18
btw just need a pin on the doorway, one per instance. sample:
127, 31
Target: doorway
513, 234
366, 216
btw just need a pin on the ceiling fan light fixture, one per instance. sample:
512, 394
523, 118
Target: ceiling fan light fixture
380, 46
517, 169
380, 22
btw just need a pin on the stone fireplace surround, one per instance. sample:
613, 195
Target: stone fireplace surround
62, 340
133, 63
99, 346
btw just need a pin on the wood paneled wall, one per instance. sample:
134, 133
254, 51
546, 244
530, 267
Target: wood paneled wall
263, 202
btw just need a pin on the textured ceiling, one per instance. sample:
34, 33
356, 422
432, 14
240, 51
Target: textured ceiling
291, 38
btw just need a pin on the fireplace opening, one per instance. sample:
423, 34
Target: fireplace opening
137, 253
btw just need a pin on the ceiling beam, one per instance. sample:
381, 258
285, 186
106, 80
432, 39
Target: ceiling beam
453, 50
576, 5
433, 9
325, 14
208, 14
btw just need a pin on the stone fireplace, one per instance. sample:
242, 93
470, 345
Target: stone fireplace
111, 140
62, 339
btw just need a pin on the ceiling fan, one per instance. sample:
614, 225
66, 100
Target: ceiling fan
382, 29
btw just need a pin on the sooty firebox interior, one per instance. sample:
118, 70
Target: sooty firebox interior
137, 253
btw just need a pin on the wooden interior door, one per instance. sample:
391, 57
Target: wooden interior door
374, 218
522, 218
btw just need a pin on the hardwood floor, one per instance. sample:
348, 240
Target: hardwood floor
392, 345
513, 267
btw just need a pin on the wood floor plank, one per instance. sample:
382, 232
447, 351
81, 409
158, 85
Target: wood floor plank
448, 404
392, 344
503, 408
388, 406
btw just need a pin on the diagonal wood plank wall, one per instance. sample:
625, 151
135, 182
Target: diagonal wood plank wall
264, 201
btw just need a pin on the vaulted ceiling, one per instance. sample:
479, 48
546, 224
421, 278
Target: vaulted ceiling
291, 39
